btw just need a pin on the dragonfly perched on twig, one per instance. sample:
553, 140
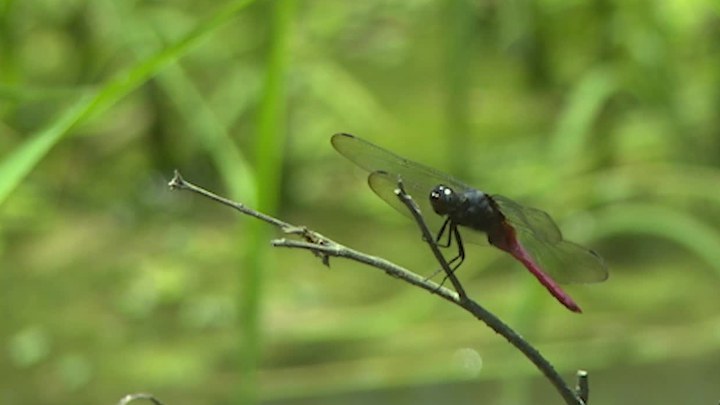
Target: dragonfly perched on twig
527, 234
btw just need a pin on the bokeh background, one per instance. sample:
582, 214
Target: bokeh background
604, 113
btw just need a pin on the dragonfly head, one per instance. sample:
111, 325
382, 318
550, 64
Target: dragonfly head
444, 200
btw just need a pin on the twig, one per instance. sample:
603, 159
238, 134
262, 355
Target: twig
429, 238
325, 248
331, 248
317, 243
484, 315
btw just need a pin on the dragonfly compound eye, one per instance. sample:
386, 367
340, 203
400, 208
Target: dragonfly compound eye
443, 199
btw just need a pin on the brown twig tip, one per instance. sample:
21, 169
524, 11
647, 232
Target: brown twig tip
131, 397
583, 386
177, 181
401, 188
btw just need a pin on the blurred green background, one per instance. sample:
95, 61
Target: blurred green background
604, 113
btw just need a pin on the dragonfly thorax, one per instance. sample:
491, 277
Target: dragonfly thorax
470, 208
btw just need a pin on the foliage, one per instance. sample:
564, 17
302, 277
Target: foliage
603, 113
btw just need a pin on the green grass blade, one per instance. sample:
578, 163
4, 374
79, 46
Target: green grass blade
660, 221
21, 161
236, 172
269, 146
575, 123
197, 113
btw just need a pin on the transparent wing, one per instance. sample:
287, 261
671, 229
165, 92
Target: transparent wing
533, 220
385, 167
374, 158
384, 185
564, 261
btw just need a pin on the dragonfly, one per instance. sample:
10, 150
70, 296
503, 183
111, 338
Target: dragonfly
527, 234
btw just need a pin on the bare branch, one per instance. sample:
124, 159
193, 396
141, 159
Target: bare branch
429, 238
484, 315
337, 250
178, 182
325, 248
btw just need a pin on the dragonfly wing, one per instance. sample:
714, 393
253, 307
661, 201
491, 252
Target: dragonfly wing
374, 158
384, 184
386, 167
532, 220
564, 261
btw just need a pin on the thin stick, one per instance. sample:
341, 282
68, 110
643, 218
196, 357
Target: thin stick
325, 248
429, 238
317, 243
484, 315
178, 182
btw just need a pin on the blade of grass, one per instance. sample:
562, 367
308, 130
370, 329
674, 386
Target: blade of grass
268, 160
345, 95
21, 161
236, 172
233, 167
671, 224
575, 123
663, 181
458, 17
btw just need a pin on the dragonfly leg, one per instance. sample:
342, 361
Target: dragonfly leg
440, 234
460, 258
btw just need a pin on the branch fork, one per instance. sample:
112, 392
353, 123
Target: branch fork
325, 248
